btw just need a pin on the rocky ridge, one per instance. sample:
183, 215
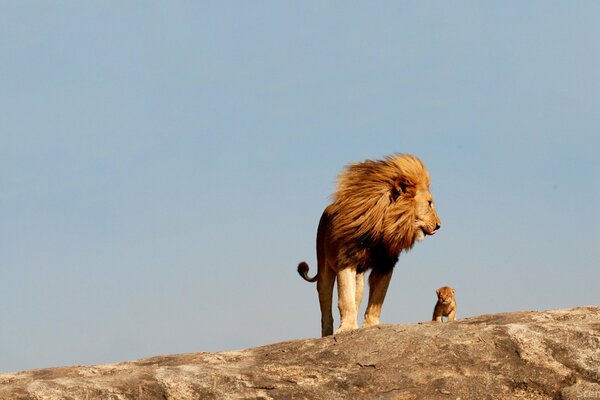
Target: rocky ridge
521, 355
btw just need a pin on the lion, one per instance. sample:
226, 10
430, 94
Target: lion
380, 208
446, 304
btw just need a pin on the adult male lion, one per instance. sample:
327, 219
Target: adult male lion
379, 209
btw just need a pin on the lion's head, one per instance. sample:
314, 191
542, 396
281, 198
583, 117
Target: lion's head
445, 295
385, 202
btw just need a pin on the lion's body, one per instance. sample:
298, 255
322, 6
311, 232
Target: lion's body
446, 304
379, 209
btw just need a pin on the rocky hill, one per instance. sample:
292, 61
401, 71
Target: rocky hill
521, 355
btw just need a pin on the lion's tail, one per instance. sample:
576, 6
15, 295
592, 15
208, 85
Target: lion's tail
303, 271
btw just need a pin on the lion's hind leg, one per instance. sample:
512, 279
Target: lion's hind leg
325, 283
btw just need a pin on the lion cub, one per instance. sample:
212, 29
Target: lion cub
446, 305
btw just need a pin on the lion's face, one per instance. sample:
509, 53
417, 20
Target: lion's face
385, 202
427, 221
445, 295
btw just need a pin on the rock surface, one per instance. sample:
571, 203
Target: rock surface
521, 355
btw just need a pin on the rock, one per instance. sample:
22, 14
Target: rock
521, 355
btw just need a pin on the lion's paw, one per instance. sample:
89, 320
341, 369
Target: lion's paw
345, 329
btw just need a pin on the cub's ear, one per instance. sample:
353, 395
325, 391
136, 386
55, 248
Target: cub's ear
437, 292
453, 291
399, 187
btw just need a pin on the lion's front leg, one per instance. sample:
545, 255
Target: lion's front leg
360, 286
452, 315
378, 285
346, 279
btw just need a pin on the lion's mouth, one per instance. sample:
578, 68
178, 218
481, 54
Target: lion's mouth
432, 232
428, 233
422, 232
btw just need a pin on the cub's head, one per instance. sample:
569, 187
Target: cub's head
445, 295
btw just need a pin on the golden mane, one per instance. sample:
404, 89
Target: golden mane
374, 202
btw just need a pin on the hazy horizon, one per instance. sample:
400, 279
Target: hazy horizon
164, 165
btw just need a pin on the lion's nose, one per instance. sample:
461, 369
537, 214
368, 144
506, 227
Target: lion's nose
437, 226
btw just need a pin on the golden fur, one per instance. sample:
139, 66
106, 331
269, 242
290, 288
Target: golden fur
446, 304
379, 209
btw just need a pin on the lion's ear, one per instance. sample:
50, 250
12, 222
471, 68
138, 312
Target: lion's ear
437, 292
399, 187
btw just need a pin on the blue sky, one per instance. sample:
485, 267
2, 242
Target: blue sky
164, 165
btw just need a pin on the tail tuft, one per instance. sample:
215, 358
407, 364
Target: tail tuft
303, 271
